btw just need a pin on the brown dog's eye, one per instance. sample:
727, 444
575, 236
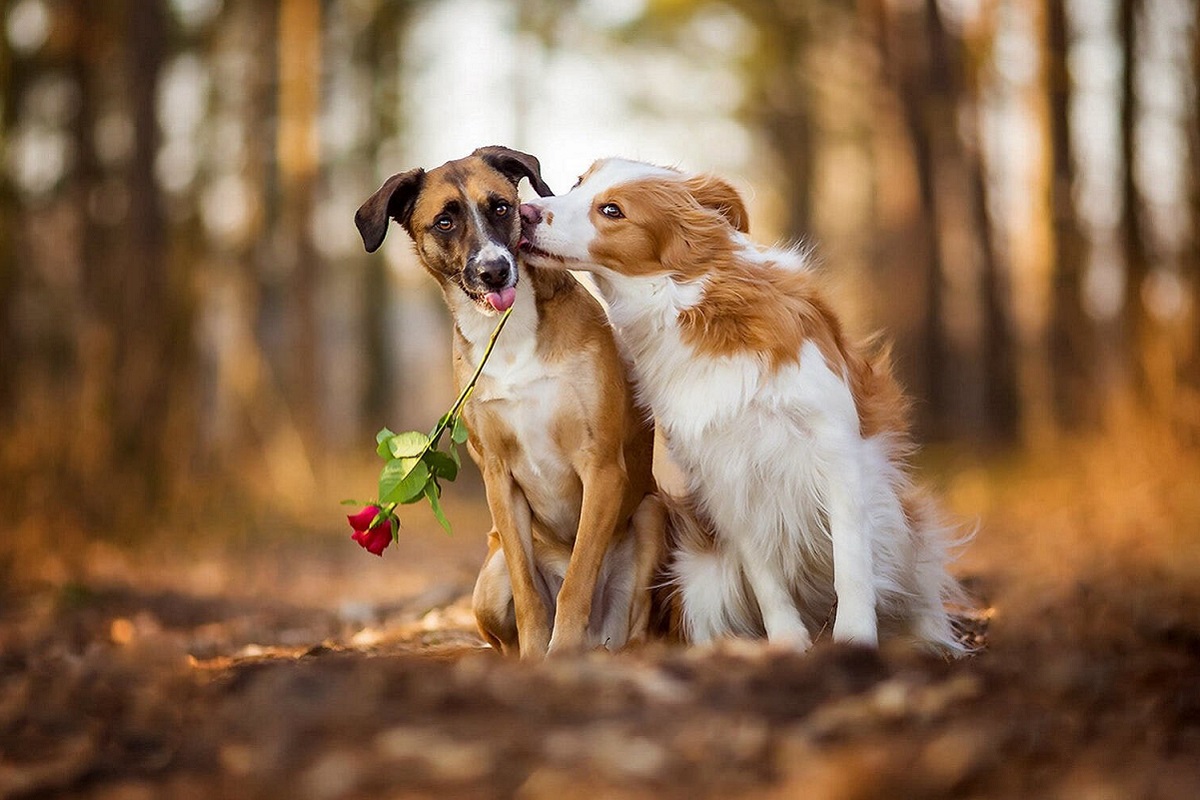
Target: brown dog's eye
501, 209
444, 223
612, 211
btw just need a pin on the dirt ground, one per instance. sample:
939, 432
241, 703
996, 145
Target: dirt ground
296, 665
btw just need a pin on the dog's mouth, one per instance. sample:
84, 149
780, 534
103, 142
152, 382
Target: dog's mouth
489, 301
501, 300
526, 245
530, 249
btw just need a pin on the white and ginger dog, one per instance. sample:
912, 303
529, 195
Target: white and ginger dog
792, 438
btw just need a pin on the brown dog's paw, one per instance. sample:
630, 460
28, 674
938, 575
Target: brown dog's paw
534, 644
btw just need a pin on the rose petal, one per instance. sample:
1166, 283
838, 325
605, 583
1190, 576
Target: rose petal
363, 519
378, 538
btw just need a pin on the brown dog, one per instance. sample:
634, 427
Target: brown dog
565, 453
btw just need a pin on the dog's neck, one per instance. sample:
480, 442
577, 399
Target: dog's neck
473, 326
646, 306
644, 312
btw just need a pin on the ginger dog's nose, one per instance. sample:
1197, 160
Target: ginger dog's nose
530, 214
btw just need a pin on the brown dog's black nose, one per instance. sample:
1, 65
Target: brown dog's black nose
495, 274
530, 214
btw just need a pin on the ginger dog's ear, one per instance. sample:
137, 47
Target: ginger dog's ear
515, 165
394, 200
713, 193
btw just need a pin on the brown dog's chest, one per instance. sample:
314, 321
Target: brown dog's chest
515, 414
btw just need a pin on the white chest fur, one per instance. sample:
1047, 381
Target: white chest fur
754, 441
520, 395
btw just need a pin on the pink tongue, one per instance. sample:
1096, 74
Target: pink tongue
503, 299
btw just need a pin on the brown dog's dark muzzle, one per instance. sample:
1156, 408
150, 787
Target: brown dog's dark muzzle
491, 274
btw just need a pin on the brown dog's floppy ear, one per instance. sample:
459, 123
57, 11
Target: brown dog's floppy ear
713, 193
394, 200
515, 165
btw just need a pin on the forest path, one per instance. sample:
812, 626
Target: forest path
307, 668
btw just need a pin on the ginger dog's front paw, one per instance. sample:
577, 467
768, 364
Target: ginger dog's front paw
856, 629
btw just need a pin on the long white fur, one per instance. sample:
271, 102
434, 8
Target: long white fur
807, 512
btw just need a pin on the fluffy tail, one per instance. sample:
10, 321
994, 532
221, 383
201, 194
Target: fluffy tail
939, 543
708, 594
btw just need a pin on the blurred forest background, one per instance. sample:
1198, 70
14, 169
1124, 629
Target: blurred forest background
189, 327
195, 353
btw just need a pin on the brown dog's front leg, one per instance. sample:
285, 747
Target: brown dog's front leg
603, 493
511, 517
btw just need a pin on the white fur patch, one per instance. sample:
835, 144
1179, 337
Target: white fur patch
526, 390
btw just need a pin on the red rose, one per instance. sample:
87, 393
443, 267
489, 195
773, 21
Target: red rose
374, 540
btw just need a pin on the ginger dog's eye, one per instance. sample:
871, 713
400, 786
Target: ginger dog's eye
612, 211
444, 223
501, 209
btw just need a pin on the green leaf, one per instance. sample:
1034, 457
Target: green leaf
408, 444
405, 466
431, 493
402, 480
459, 434
395, 529
442, 422
381, 442
441, 464
354, 503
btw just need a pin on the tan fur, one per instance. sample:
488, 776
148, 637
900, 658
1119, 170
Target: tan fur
596, 431
609, 444
669, 228
715, 194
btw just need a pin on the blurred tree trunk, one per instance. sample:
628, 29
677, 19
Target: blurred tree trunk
270, 274
97, 396
1002, 402
1192, 260
299, 59
786, 118
913, 44
1135, 321
1070, 334
153, 336
383, 60
1001, 395
10, 86
780, 101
